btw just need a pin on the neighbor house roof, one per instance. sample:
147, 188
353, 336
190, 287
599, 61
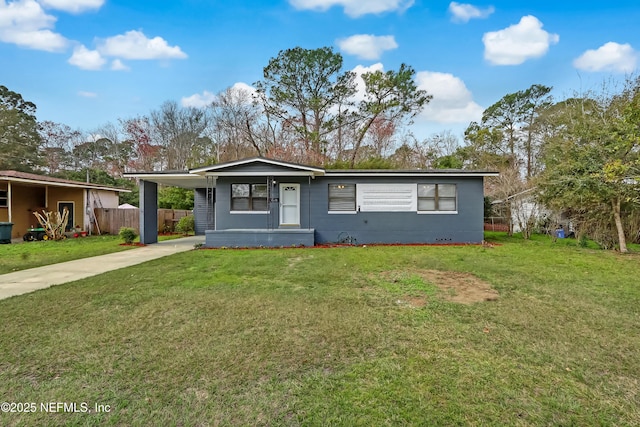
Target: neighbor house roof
35, 179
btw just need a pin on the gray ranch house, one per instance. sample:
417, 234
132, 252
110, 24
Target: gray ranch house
263, 202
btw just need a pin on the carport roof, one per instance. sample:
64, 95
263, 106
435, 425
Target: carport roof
182, 179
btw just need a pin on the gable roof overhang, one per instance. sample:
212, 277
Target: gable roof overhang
279, 168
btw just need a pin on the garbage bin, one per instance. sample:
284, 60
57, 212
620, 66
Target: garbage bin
560, 233
5, 232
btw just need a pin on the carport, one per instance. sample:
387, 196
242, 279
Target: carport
204, 199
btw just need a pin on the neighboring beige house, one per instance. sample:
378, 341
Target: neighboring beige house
23, 193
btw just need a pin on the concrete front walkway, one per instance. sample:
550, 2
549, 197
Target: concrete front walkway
24, 281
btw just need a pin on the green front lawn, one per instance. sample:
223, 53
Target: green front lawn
340, 336
23, 255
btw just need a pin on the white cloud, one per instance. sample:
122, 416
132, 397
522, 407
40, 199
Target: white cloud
241, 86
73, 6
610, 56
86, 59
463, 12
354, 8
367, 46
135, 45
25, 24
206, 98
452, 102
198, 100
517, 43
117, 65
85, 94
359, 70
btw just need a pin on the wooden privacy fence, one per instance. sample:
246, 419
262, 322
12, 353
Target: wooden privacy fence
496, 224
111, 219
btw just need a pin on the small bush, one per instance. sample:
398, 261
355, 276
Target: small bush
127, 234
584, 241
186, 225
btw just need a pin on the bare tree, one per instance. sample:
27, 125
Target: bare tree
180, 131
58, 141
237, 128
137, 132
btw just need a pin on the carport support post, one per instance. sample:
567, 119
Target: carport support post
148, 212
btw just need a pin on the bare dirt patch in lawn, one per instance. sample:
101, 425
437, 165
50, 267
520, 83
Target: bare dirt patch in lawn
297, 260
463, 288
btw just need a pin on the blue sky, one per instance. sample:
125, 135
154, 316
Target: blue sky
85, 63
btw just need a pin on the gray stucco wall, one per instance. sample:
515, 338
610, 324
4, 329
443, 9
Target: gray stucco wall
465, 226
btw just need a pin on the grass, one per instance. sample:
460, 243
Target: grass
23, 255
319, 337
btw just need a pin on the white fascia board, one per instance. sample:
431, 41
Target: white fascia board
143, 175
261, 174
213, 168
413, 174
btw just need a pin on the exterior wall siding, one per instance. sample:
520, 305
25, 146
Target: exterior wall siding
464, 226
257, 220
25, 200
259, 238
103, 198
203, 211
29, 198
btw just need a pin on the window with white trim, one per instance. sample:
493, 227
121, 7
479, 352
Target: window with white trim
437, 198
4, 199
249, 197
342, 197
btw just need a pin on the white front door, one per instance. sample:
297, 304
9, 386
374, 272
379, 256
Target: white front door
290, 204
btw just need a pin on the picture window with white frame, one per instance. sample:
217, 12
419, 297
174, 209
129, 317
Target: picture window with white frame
249, 197
342, 197
437, 198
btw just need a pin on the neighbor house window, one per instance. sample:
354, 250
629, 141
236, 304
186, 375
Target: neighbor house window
437, 198
342, 197
3, 198
249, 197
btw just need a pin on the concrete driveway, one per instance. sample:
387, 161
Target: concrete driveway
24, 281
